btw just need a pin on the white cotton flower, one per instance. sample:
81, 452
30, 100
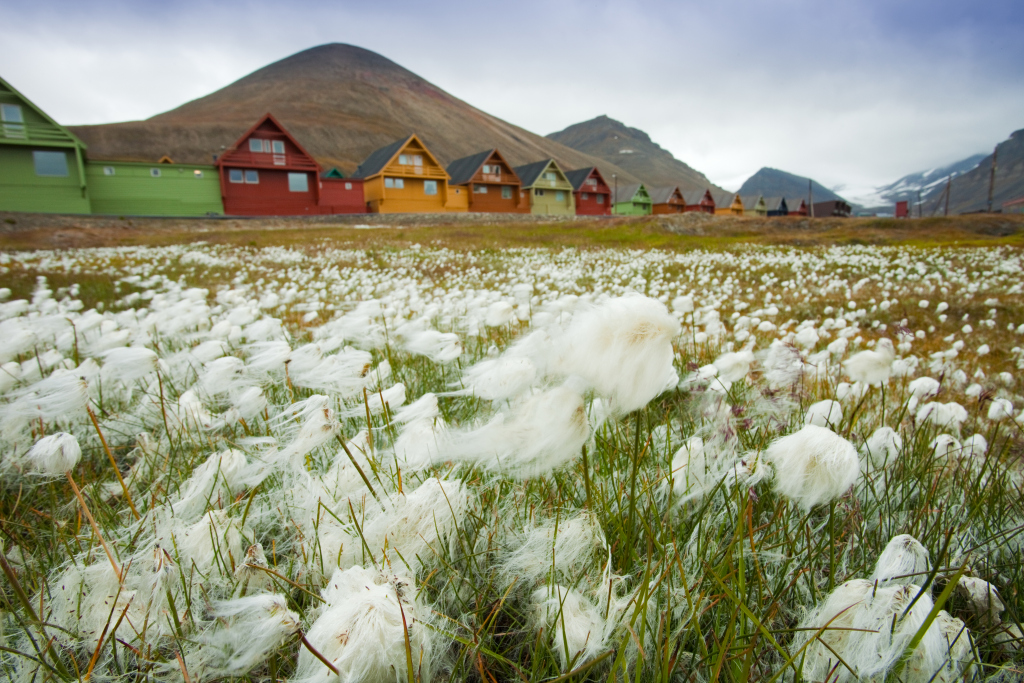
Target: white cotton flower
54, 455
249, 575
942, 307
64, 394
974, 390
732, 367
565, 546
1000, 409
129, 363
944, 446
923, 303
423, 408
536, 437
498, 379
975, 445
255, 627
983, 350
440, 347
418, 445
921, 388
951, 415
982, 598
903, 556
192, 413
364, 629
575, 626
221, 376
883, 446
498, 314
806, 338
682, 304
813, 465
783, 365
838, 346
827, 413
212, 482
246, 405
872, 366
392, 397
210, 541
622, 348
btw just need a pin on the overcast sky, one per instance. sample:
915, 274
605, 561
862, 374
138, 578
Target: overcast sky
854, 93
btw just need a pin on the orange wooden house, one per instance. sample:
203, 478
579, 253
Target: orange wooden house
266, 172
667, 200
405, 177
488, 183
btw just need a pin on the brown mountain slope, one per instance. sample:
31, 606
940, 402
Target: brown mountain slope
633, 150
341, 102
970, 190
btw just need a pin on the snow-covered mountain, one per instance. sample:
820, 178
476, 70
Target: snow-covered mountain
907, 187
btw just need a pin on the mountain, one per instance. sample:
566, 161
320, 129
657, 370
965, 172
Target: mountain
771, 182
632, 150
341, 102
969, 190
907, 187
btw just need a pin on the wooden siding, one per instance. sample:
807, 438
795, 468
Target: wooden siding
594, 198
551, 193
458, 199
412, 196
129, 188
675, 204
270, 196
342, 195
638, 205
497, 191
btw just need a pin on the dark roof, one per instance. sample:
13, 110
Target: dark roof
378, 159
723, 200
661, 195
626, 192
750, 201
578, 177
462, 170
694, 197
529, 173
775, 203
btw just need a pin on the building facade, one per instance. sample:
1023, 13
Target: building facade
128, 188
631, 199
700, 201
488, 183
405, 177
546, 187
667, 200
591, 193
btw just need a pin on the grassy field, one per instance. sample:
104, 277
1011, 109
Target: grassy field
645, 450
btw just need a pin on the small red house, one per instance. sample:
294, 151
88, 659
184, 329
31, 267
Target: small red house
796, 207
699, 200
592, 194
266, 172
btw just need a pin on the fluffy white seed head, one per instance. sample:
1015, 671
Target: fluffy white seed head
255, 627
575, 626
873, 366
903, 555
1000, 409
54, 455
813, 466
883, 446
827, 413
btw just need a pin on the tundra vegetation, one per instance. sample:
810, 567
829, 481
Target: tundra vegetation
315, 463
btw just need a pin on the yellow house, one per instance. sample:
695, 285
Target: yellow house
404, 177
727, 203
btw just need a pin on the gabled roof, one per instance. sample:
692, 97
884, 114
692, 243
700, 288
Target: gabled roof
579, 176
247, 134
32, 105
627, 191
750, 201
332, 173
662, 195
530, 173
462, 170
694, 197
776, 203
379, 159
794, 204
724, 200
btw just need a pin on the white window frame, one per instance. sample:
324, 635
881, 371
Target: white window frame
275, 144
237, 179
428, 185
296, 176
109, 170
479, 188
254, 179
506, 192
256, 145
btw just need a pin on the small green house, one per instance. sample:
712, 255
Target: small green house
549, 191
754, 205
160, 189
42, 164
631, 199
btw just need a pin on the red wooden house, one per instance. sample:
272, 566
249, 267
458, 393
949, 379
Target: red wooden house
489, 182
699, 200
268, 173
667, 200
593, 196
796, 207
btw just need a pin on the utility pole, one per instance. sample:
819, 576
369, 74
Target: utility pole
615, 179
949, 190
920, 210
810, 198
992, 178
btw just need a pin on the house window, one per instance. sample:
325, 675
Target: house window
252, 177
592, 182
13, 120
197, 173
155, 172
559, 196
255, 145
430, 187
539, 193
506, 192
278, 146
403, 159
108, 170
551, 177
410, 159
235, 175
600, 199
586, 196
51, 164
397, 183
298, 182
480, 189
348, 186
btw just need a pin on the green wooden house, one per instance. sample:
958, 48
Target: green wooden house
631, 199
42, 164
549, 191
754, 205
161, 189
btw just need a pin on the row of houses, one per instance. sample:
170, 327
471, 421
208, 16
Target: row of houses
267, 172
